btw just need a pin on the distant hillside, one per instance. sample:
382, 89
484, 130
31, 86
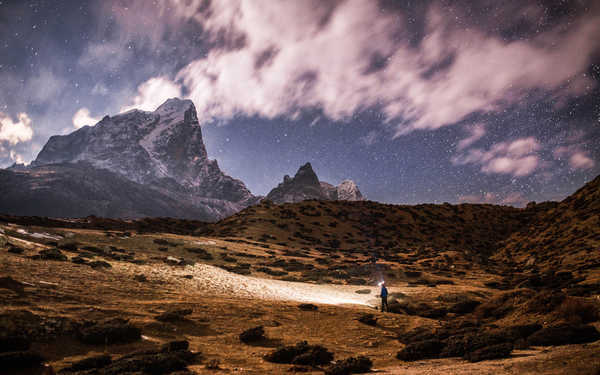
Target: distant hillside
472, 229
567, 235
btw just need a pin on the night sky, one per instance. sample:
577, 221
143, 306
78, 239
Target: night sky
416, 101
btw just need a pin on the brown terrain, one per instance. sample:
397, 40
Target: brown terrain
475, 289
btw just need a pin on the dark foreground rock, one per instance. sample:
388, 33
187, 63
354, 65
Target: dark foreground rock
564, 334
301, 354
20, 360
490, 352
152, 362
89, 363
307, 307
13, 342
111, 331
368, 319
350, 365
51, 254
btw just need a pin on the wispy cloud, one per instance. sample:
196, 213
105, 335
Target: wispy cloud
517, 158
276, 58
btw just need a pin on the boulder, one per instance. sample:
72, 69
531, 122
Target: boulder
111, 331
173, 346
174, 315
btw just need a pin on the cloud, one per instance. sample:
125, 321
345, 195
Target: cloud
15, 132
82, 118
517, 158
579, 160
575, 155
475, 133
277, 58
152, 93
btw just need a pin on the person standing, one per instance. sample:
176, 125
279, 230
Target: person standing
384, 295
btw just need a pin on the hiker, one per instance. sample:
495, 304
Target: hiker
384, 294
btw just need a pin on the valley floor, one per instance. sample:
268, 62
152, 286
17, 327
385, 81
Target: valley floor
224, 304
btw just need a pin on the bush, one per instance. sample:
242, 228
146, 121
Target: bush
301, 354
577, 310
351, 365
421, 350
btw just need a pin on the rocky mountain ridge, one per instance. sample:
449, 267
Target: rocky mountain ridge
305, 185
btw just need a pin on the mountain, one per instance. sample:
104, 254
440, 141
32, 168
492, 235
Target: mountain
162, 152
305, 185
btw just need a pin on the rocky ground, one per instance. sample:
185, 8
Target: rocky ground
91, 301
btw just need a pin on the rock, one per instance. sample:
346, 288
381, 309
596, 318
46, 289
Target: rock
111, 331
421, 350
564, 334
174, 315
253, 335
368, 319
89, 363
301, 354
52, 254
97, 264
350, 365
363, 291
490, 352
173, 346
20, 360
307, 307
140, 278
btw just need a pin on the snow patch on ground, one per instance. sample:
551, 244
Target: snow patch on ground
212, 280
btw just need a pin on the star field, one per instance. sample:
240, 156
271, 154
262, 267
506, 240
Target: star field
416, 101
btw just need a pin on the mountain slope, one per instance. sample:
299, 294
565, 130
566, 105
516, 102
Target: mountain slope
566, 235
79, 190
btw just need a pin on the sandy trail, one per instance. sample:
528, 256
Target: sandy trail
210, 280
